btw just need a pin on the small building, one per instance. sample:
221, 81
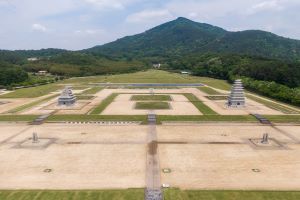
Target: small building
42, 73
237, 96
157, 66
185, 72
67, 97
33, 59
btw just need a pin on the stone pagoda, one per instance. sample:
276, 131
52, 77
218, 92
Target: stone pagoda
66, 98
237, 97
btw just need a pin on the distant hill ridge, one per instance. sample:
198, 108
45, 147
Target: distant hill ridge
183, 36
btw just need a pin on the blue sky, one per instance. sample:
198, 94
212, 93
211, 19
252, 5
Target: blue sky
79, 24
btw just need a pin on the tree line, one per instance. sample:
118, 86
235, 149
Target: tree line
273, 78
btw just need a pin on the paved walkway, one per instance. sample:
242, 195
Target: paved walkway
153, 185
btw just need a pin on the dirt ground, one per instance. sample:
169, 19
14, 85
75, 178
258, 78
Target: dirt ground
200, 156
217, 106
220, 157
106, 157
123, 105
220, 108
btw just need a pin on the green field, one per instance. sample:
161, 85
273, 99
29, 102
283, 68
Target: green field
176, 194
27, 106
204, 109
86, 118
160, 118
16, 118
209, 91
84, 97
92, 90
138, 194
154, 105
274, 105
216, 98
283, 118
151, 98
130, 194
151, 76
99, 109
32, 92
207, 118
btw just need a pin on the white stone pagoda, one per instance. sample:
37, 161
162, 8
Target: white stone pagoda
236, 98
67, 97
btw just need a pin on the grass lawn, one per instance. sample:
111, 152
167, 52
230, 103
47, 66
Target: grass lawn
151, 98
79, 87
151, 76
129, 194
99, 109
11, 118
92, 90
153, 105
32, 92
209, 91
84, 97
274, 105
283, 118
86, 118
205, 110
35, 103
176, 194
207, 118
216, 98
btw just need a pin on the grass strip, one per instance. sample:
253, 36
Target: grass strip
99, 109
83, 97
209, 90
207, 118
129, 194
86, 118
152, 105
283, 118
273, 105
92, 91
29, 105
171, 194
151, 98
32, 92
17, 118
205, 110
217, 98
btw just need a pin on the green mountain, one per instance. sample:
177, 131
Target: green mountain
183, 36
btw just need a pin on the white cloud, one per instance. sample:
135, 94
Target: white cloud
39, 27
274, 5
149, 16
89, 32
25, 20
110, 4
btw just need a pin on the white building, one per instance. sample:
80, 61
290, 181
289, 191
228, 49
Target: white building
157, 66
42, 73
32, 59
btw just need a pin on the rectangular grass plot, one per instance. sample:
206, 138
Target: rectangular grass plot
152, 105
151, 98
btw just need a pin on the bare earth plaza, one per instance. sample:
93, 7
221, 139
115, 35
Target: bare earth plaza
155, 139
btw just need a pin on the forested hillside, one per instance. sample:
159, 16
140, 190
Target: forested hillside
183, 37
273, 78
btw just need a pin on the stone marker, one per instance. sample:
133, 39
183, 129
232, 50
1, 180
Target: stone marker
265, 139
35, 138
